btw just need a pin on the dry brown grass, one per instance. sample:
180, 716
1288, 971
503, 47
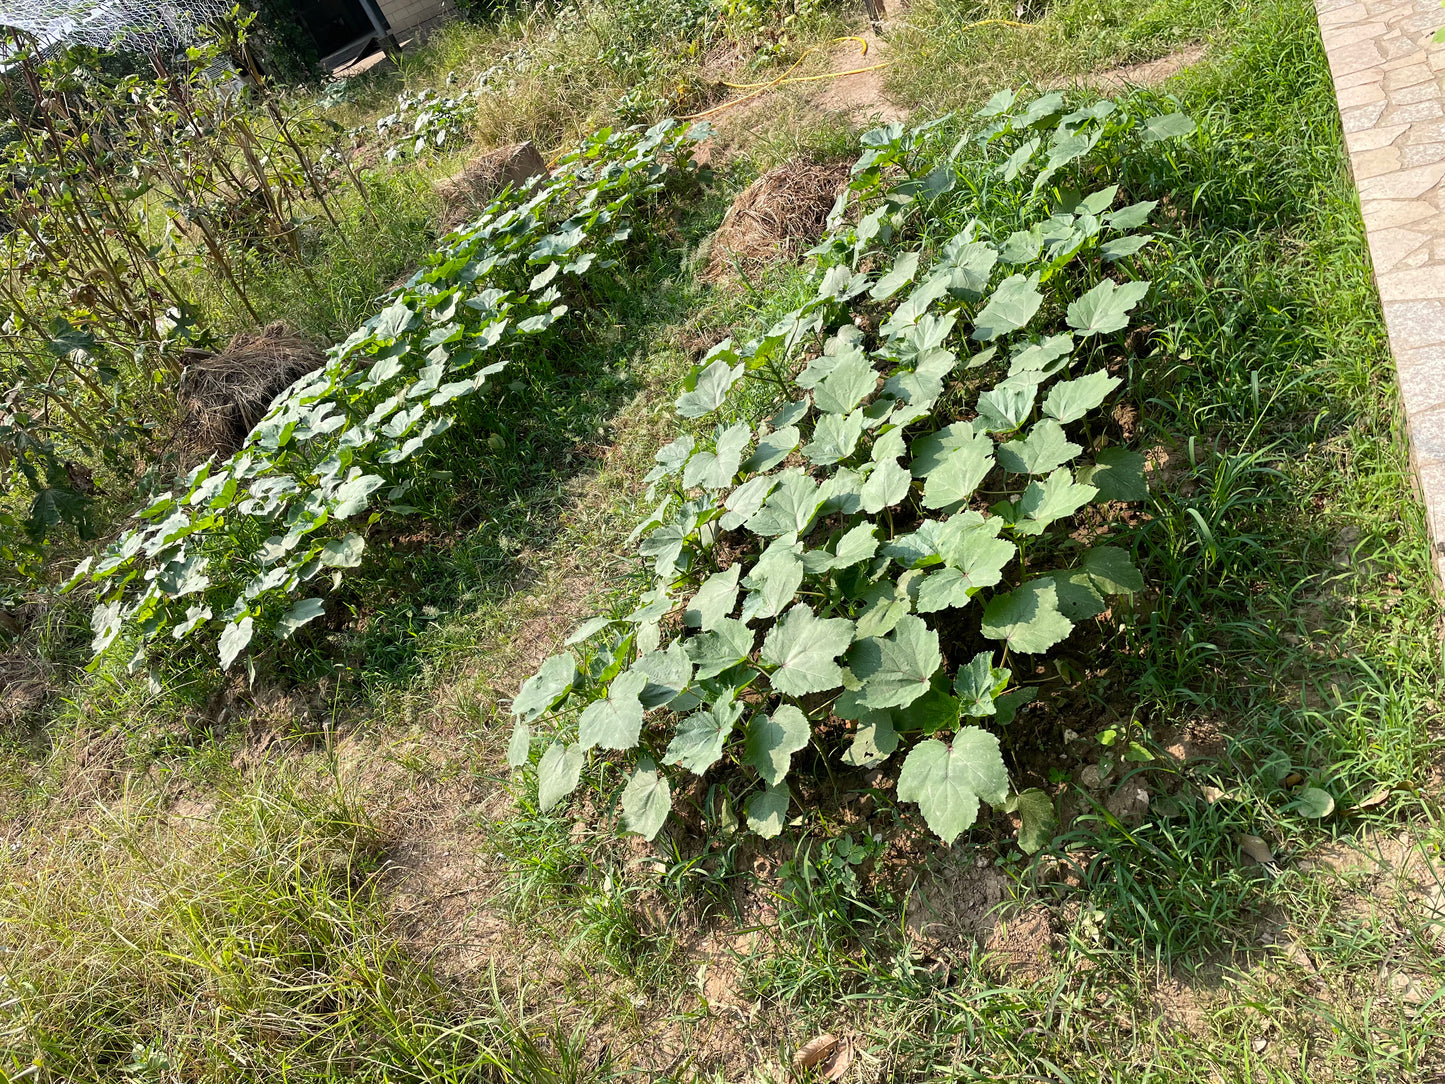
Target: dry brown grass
775, 216
222, 396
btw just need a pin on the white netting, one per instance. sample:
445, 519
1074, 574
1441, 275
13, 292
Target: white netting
139, 25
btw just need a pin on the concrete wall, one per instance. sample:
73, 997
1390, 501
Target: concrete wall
405, 14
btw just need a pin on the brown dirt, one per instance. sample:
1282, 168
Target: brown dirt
464, 194
861, 97
775, 216
1148, 73
222, 396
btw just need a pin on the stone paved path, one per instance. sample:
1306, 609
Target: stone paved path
1388, 75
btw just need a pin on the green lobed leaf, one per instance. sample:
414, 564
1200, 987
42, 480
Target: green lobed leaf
702, 736
1028, 618
1043, 451
948, 781
709, 390
1036, 820
1106, 307
1055, 497
1113, 571
1118, 474
301, 612
978, 683
1011, 306
771, 741
646, 800
729, 643
714, 600
559, 773
544, 690
614, 722
768, 810
804, 648
896, 670
1070, 400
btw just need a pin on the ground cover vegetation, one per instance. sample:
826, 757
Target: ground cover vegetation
1187, 667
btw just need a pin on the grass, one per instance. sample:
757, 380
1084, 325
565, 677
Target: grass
206, 882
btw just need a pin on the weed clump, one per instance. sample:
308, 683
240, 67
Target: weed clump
222, 396
774, 216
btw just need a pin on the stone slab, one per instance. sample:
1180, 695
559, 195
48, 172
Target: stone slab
1387, 71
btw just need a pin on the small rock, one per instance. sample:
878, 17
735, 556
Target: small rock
1093, 777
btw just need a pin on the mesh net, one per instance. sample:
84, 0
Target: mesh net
132, 25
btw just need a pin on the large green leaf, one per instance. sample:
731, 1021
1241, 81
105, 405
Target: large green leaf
804, 649
844, 388
646, 800
1043, 451
668, 674
929, 452
1113, 571
768, 811
1036, 820
896, 669
1118, 474
715, 470
234, 638
301, 612
616, 721
834, 438
558, 773
729, 643
1072, 399
789, 509
714, 600
519, 749
1049, 500
1028, 618
1004, 408
874, 742
886, 485
978, 683
1009, 308
546, 688
948, 781
774, 579
1106, 307
1168, 126
772, 450
701, 736
901, 274
708, 389
956, 478
744, 502
773, 739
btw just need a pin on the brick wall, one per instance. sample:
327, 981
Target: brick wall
405, 14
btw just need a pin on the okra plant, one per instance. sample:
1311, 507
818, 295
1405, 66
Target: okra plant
869, 516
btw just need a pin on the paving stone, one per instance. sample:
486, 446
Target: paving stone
1387, 71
